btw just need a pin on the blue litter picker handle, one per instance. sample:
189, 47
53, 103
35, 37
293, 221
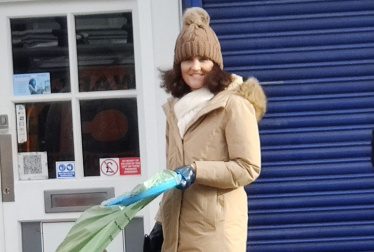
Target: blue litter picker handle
126, 200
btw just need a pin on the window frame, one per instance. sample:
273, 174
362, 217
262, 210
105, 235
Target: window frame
145, 100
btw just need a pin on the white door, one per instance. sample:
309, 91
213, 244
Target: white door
78, 84
2, 245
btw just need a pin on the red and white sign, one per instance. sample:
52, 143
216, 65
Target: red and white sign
129, 166
112, 167
109, 166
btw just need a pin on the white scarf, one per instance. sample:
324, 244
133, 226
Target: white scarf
188, 106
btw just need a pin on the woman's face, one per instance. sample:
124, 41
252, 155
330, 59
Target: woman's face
194, 71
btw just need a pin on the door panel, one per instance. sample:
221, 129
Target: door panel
91, 103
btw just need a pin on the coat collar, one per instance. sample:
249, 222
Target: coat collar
250, 90
218, 101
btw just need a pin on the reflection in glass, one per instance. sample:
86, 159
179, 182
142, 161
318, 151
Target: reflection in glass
49, 128
40, 45
109, 130
105, 52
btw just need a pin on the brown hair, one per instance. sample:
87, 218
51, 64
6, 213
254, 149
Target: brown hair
172, 81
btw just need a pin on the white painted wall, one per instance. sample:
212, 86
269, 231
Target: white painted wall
166, 27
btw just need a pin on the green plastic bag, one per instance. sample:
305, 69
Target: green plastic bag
98, 225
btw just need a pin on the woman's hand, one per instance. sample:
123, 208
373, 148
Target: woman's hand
188, 176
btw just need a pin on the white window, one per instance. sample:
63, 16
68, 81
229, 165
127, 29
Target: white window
105, 65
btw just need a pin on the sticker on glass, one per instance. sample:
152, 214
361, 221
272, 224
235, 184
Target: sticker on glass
65, 169
30, 84
112, 167
32, 165
21, 123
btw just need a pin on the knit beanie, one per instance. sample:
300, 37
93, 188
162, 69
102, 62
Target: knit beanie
197, 38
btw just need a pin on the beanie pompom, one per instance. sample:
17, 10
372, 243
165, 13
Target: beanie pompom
196, 16
197, 38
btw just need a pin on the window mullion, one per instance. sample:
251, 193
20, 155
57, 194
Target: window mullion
73, 60
74, 85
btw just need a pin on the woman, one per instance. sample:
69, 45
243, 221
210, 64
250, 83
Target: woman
212, 141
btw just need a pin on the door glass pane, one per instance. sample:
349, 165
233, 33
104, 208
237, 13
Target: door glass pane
47, 127
109, 130
105, 52
40, 45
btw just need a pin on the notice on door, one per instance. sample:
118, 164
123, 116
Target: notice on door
129, 166
65, 169
30, 84
112, 167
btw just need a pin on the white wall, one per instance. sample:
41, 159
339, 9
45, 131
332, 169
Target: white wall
166, 27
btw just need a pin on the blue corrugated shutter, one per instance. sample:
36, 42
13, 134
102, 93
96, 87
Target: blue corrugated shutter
315, 59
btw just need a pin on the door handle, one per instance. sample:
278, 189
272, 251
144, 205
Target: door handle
6, 168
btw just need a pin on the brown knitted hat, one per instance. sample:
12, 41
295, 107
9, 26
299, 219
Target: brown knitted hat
197, 38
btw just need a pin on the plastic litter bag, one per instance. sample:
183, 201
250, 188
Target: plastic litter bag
98, 225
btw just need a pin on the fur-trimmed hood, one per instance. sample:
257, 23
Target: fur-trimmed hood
252, 91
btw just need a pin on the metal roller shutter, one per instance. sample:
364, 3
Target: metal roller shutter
315, 59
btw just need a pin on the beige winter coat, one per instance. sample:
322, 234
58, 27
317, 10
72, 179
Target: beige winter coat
223, 141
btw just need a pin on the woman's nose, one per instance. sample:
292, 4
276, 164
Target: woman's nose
196, 64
